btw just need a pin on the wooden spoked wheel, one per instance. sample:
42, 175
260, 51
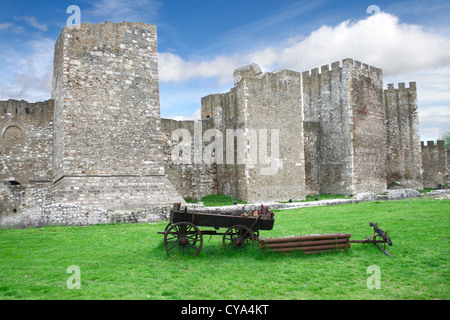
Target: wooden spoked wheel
238, 237
181, 238
168, 226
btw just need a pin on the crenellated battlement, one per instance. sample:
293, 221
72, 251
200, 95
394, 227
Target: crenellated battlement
23, 111
439, 144
434, 159
402, 86
338, 66
101, 141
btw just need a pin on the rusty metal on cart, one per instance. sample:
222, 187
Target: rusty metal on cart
308, 244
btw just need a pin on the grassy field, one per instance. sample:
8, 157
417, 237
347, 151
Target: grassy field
217, 200
129, 261
223, 200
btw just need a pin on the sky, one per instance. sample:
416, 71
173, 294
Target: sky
201, 43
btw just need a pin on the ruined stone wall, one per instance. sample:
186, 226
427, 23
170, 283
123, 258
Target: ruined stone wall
192, 180
108, 141
258, 105
368, 128
404, 162
15, 199
275, 103
107, 100
69, 214
26, 141
347, 101
226, 111
434, 161
312, 157
326, 100
26, 150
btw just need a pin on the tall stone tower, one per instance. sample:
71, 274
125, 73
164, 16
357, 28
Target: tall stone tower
345, 121
266, 109
107, 130
404, 163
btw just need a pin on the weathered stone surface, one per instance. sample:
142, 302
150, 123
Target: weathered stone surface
260, 104
346, 100
365, 196
100, 146
26, 141
402, 193
192, 180
434, 159
402, 125
67, 214
108, 147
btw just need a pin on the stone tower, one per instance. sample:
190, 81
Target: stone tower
345, 128
404, 163
266, 109
107, 130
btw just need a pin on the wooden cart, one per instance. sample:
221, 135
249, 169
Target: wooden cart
182, 234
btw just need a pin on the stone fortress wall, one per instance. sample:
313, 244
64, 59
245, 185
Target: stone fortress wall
435, 164
343, 102
99, 152
26, 150
402, 128
108, 141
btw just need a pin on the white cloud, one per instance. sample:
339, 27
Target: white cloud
32, 21
195, 116
436, 115
5, 26
119, 10
380, 40
405, 52
173, 68
28, 73
11, 27
432, 134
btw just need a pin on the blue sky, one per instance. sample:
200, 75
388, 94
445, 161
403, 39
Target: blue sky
200, 43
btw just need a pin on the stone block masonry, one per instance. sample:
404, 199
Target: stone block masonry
345, 100
26, 151
99, 152
69, 214
106, 96
402, 132
192, 180
368, 128
434, 160
272, 102
26, 141
264, 112
108, 148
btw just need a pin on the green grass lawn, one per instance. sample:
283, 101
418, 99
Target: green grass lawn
128, 261
216, 200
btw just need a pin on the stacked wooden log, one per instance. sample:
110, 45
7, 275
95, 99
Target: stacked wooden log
308, 244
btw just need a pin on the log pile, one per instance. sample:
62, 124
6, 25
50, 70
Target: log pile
308, 244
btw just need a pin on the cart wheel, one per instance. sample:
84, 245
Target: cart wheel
168, 226
238, 237
183, 237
